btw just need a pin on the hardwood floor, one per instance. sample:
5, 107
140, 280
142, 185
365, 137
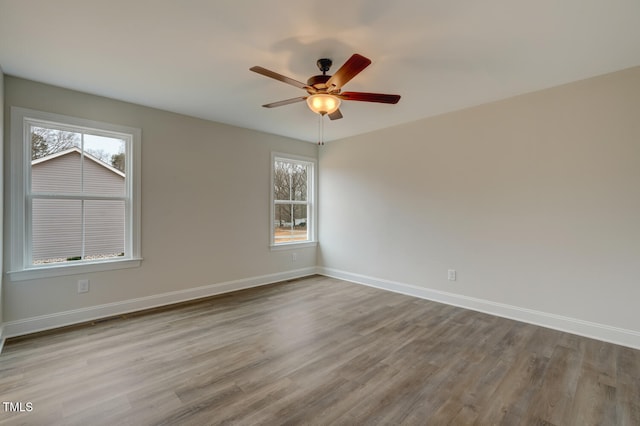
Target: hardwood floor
318, 351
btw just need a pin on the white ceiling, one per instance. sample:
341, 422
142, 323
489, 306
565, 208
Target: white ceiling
193, 56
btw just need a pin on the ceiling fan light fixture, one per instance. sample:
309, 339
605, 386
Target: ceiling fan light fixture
322, 103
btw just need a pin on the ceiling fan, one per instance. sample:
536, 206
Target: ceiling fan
324, 90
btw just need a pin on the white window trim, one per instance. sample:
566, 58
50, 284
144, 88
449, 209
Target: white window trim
312, 212
18, 268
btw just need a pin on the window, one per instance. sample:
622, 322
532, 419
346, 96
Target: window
293, 200
74, 195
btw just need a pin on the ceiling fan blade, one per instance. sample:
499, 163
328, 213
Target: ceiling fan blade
354, 65
280, 77
335, 115
369, 97
285, 102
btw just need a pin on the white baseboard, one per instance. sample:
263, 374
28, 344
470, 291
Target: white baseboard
619, 336
61, 319
624, 337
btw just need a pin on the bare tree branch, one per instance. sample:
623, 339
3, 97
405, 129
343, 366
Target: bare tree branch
50, 141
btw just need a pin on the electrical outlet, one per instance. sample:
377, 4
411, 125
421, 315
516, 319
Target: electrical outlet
451, 274
294, 257
83, 286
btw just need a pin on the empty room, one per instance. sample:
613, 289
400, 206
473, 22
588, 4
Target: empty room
320, 212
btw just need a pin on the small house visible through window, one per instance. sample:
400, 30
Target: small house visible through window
66, 224
292, 207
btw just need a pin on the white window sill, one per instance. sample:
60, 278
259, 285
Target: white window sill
291, 246
60, 270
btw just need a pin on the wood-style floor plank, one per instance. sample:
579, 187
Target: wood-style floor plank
317, 351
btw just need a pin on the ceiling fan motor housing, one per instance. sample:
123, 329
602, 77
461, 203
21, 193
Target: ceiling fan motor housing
318, 81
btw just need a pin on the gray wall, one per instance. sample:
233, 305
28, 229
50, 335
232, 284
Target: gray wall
205, 207
534, 201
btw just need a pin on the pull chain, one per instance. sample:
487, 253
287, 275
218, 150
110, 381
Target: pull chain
321, 130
